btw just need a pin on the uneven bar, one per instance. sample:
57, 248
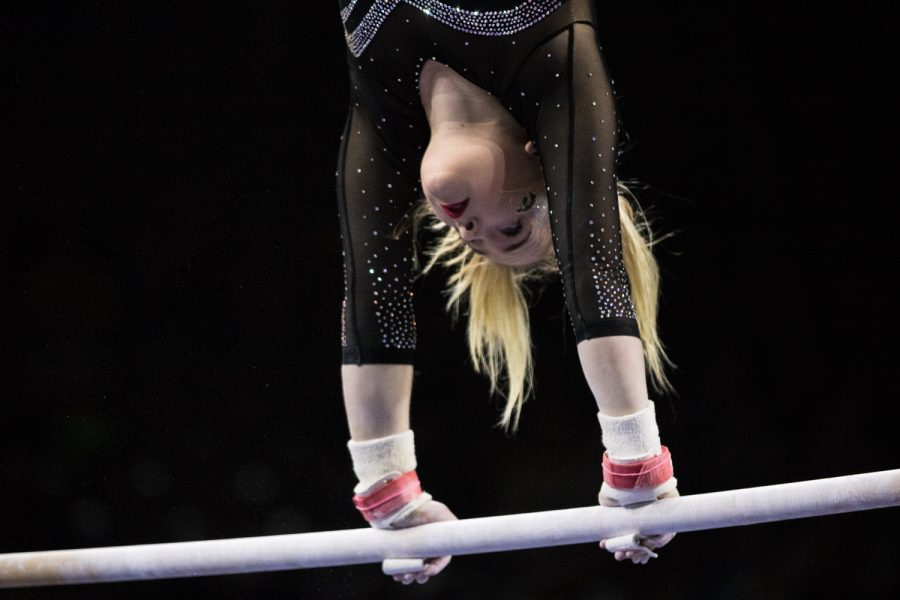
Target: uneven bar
470, 536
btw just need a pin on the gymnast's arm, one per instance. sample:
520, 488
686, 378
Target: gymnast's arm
376, 398
378, 332
576, 134
614, 369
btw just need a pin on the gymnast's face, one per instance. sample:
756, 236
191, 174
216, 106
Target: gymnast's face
490, 189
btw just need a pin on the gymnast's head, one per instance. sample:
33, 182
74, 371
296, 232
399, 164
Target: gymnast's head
480, 176
484, 181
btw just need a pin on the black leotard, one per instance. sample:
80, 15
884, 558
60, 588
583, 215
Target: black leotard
542, 60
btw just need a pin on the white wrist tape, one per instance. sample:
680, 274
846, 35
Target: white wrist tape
633, 437
638, 495
382, 458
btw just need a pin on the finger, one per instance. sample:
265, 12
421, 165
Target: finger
657, 541
421, 578
620, 555
414, 519
408, 578
433, 566
669, 494
606, 501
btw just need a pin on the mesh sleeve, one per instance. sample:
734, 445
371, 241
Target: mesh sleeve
378, 320
574, 125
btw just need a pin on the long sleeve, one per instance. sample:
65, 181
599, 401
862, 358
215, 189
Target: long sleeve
378, 319
567, 105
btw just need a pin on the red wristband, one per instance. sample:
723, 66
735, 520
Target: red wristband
647, 473
389, 498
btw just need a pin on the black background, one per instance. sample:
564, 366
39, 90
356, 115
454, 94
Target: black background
173, 276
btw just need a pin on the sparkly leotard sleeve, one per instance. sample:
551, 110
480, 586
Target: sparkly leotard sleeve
542, 60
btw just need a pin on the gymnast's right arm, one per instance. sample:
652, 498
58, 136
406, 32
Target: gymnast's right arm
376, 398
378, 334
389, 495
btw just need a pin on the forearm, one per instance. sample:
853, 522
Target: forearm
614, 369
376, 398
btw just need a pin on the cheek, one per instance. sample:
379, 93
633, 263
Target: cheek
527, 219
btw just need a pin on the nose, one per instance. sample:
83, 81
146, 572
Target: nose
467, 229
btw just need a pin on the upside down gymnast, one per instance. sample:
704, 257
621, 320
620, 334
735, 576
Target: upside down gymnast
501, 115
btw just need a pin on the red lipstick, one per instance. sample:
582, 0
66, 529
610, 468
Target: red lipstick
455, 211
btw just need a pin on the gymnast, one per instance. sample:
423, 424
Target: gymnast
501, 115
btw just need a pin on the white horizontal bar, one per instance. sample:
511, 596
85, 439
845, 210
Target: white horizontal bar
469, 536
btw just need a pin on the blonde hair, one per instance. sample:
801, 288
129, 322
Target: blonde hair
499, 334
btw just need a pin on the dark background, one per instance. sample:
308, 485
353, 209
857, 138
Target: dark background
172, 267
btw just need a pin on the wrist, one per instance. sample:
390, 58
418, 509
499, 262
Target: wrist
631, 438
379, 460
388, 489
641, 481
387, 503
636, 466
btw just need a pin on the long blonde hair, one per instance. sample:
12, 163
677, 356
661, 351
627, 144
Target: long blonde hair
499, 334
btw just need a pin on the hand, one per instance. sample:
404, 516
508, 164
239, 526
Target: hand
430, 512
650, 542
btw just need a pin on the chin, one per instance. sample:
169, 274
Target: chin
518, 264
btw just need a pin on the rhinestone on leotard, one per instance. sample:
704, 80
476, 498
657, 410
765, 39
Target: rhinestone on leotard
475, 22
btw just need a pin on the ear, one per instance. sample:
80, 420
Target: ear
530, 148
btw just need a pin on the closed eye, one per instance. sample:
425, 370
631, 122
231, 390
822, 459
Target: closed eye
512, 231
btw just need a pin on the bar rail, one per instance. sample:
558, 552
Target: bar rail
469, 536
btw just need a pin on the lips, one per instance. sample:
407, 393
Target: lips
455, 211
